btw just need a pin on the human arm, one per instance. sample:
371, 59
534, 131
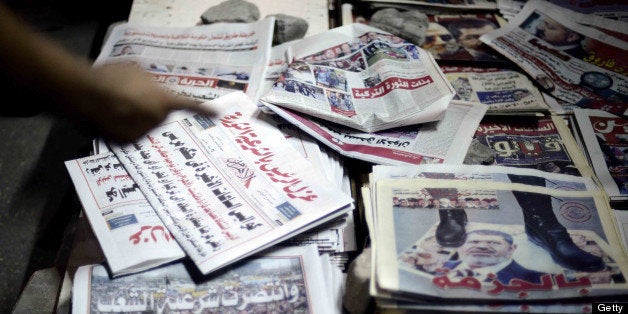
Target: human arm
120, 102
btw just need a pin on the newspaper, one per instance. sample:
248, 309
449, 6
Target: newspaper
604, 137
499, 89
414, 266
463, 5
363, 78
463, 172
288, 280
570, 61
229, 182
543, 143
444, 141
130, 233
202, 62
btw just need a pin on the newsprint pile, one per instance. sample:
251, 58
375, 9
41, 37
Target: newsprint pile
494, 135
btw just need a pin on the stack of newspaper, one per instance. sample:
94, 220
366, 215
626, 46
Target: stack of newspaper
373, 96
491, 238
286, 280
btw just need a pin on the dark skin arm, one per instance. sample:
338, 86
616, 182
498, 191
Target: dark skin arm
120, 102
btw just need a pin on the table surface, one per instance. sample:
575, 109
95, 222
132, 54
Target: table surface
185, 13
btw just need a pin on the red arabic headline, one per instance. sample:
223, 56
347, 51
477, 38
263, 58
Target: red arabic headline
246, 137
390, 84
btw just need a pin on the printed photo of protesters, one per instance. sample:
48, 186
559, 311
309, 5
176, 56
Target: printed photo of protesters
297, 87
340, 102
330, 78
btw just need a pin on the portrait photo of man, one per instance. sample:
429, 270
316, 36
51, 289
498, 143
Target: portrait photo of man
556, 34
488, 255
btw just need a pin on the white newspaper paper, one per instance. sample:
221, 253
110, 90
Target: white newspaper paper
130, 234
363, 78
202, 62
576, 63
230, 182
288, 280
604, 137
499, 89
444, 141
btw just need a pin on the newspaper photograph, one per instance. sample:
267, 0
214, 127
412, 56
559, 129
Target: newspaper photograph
543, 143
131, 235
363, 78
531, 243
444, 141
230, 183
457, 37
605, 136
570, 61
288, 280
202, 62
499, 89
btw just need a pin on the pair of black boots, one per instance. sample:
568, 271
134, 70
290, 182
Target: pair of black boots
541, 226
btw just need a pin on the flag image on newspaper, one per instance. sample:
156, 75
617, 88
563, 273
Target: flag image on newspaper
229, 183
363, 78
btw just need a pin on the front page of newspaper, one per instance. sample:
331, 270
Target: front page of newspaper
499, 89
504, 253
543, 143
605, 137
129, 231
202, 62
229, 182
362, 77
444, 141
288, 280
573, 62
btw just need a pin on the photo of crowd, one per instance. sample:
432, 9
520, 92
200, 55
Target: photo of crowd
340, 102
264, 285
297, 87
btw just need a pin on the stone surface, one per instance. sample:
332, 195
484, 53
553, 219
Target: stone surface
231, 11
410, 25
288, 27
357, 298
479, 154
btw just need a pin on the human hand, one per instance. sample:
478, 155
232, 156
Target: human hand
122, 103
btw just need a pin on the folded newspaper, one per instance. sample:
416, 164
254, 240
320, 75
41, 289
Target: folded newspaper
202, 62
131, 235
228, 185
363, 78
577, 63
288, 280
491, 234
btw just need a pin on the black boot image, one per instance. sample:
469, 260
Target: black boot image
544, 230
451, 229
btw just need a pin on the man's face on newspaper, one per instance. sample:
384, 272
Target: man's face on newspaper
554, 33
482, 250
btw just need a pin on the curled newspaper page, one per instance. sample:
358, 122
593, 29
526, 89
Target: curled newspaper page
130, 233
288, 280
363, 78
443, 141
582, 65
229, 183
202, 62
